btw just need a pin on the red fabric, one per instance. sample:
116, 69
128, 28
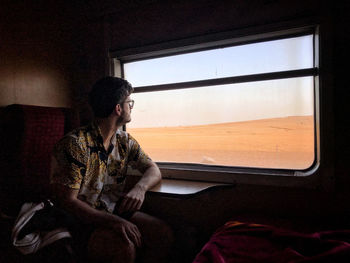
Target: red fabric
27, 136
243, 243
43, 127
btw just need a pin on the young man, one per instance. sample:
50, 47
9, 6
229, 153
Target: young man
88, 175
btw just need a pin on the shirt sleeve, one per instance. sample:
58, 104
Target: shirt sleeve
138, 159
70, 163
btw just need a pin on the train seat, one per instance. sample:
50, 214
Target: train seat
27, 137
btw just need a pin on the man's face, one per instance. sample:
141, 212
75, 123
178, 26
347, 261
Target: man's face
127, 105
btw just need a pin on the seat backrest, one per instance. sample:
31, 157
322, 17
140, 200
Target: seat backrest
27, 137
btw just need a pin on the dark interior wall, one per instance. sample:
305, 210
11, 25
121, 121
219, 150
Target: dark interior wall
37, 53
161, 21
342, 109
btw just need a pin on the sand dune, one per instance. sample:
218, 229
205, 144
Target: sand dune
277, 143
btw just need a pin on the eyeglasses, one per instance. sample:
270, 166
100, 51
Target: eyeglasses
131, 103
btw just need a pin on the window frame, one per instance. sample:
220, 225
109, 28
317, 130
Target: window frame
225, 174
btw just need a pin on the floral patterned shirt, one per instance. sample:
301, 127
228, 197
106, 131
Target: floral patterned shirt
82, 163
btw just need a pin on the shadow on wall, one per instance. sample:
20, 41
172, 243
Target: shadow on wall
34, 85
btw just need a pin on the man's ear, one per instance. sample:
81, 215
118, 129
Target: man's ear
118, 110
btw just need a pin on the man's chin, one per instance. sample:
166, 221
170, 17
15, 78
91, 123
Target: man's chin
126, 121
123, 122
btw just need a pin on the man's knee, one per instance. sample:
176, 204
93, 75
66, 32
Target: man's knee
124, 252
165, 236
104, 245
155, 232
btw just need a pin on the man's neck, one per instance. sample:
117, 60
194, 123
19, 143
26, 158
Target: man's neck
108, 128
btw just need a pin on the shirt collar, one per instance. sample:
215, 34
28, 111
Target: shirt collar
96, 133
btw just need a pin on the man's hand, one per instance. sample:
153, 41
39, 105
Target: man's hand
133, 200
129, 231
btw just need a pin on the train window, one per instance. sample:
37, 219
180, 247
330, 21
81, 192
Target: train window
245, 105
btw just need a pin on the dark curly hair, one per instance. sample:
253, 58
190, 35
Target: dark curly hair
106, 93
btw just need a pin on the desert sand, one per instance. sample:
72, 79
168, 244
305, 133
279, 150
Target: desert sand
274, 143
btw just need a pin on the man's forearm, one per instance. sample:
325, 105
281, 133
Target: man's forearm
133, 200
150, 178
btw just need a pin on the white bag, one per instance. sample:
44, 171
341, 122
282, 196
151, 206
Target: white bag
32, 242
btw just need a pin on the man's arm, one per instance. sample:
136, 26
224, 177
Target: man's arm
68, 198
133, 200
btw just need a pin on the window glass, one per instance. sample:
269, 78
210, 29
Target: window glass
269, 56
265, 124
